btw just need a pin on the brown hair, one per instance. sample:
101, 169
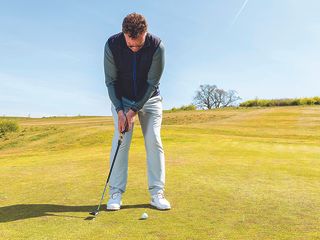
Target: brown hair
134, 24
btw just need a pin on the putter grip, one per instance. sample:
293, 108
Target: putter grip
126, 126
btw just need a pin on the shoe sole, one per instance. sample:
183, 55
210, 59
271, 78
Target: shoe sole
164, 209
114, 208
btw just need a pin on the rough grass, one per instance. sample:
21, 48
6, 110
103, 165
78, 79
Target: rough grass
231, 174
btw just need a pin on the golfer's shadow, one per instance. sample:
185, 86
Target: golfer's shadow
25, 211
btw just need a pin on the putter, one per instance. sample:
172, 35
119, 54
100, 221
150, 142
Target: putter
96, 212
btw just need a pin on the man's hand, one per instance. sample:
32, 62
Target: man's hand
122, 122
131, 116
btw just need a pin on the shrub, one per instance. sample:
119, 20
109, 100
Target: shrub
317, 100
188, 107
7, 126
183, 108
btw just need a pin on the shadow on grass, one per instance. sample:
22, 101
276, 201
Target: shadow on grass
25, 211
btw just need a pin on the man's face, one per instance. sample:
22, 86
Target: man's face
135, 44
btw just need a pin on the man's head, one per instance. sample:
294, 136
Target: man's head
134, 27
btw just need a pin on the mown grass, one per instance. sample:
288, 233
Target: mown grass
231, 174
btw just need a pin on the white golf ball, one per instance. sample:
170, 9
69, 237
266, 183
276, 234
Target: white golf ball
144, 216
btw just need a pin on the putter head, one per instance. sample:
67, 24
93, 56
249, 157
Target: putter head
94, 213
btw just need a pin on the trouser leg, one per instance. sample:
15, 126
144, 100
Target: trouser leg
150, 117
119, 175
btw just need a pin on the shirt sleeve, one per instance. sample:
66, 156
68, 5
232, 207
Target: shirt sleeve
110, 71
154, 76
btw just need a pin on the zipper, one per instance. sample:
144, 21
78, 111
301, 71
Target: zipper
134, 76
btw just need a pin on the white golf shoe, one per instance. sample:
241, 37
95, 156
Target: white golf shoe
114, 202
159, 201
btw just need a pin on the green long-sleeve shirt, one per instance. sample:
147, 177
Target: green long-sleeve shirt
153, 80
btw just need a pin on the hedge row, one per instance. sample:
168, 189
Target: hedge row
183, 108
281, 102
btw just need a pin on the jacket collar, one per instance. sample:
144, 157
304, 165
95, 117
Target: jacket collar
146, 44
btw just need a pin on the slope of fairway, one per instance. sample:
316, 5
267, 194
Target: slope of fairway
232, 173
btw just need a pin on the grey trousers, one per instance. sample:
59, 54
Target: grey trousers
150, 117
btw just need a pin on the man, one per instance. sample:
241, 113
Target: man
133, 64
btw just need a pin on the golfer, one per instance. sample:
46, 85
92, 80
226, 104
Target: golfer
133, 65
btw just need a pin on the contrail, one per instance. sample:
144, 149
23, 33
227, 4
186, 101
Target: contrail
239, 12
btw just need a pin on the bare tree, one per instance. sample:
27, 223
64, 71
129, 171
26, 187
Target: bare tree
210, 96
204, 96
230, 97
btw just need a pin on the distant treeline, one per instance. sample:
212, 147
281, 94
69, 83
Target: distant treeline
281, 102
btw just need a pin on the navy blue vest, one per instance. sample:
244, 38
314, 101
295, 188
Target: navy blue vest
133, 67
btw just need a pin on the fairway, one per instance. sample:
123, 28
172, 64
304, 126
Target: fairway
233, 173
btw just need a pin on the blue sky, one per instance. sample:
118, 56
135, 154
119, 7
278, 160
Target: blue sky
51, 60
